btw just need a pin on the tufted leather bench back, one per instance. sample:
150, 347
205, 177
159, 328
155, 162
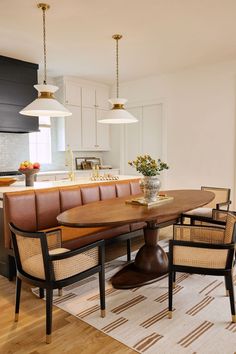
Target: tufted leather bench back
70, 197
37, 209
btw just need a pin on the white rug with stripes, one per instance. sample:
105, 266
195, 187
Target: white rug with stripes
201, 321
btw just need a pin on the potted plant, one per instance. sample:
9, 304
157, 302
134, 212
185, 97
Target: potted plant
150, 169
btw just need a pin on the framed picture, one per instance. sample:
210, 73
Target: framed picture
86, 165
90, 162
78, 163
94, 161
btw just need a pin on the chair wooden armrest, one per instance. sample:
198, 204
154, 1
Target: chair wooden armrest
206, 234
223, 246
211, 220
75, 252
71, 263
219, 205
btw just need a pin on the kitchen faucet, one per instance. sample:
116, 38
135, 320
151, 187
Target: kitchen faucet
69, 162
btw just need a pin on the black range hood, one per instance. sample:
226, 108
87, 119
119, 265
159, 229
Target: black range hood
17, 79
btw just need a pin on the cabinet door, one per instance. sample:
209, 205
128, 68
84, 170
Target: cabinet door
133, 140
73, 129
103, 132
62, 177
72, 93
102, 97
88, 129
88, 97
45, 178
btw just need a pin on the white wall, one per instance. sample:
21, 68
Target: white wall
200, 123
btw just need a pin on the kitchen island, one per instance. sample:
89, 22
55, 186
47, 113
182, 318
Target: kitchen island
20, 185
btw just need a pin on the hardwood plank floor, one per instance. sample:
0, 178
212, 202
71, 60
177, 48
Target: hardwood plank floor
70, 335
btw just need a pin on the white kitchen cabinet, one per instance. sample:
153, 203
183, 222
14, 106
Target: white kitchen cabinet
89, 97
88, 103
102, 98
72, 93
45, 178
103, 131
95, 136
73, 129
62, 177
88, 129
69, 130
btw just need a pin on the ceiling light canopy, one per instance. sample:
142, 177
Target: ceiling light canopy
118, 114
45, 104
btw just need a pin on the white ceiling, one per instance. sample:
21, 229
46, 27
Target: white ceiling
160, 36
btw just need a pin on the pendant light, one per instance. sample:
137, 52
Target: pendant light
118, 114
45, 105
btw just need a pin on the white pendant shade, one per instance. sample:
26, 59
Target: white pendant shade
45, 104
118, 115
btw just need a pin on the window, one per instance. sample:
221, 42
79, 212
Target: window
40, 145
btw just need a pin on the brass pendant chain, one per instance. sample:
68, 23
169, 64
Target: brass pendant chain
44, 7
117, 68
44, 46
117, 37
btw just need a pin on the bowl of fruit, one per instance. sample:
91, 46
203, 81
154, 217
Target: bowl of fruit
29, 169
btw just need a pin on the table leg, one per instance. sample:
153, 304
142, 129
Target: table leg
151, 263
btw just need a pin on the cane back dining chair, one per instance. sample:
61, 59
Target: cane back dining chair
42, 262
203, 214
204, 250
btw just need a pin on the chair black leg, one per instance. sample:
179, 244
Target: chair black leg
170, 294
18, 292
129, 250
226, 286
48, 315
41, 293
174, 279
230, 286
102, 292
11, 268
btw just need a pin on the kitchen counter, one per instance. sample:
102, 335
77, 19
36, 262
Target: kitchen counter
20, 186
59, 172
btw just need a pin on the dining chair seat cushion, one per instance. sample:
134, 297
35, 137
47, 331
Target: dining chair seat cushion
200, 258
63, 268
207, 212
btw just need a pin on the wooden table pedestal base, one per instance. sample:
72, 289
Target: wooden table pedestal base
150, 265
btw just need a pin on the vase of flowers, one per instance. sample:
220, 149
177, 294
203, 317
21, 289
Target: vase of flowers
150, 169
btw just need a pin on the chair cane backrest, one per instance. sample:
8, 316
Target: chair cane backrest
222, 195
229, 229
27, 245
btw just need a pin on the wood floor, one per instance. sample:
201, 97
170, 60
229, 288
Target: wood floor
70, 335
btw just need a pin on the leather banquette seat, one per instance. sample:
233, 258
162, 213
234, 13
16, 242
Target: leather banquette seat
36, 210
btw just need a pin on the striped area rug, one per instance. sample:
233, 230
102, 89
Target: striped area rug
201, 321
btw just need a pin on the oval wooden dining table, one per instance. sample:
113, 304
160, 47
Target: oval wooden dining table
151, 261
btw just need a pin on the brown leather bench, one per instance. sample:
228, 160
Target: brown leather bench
37, 210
